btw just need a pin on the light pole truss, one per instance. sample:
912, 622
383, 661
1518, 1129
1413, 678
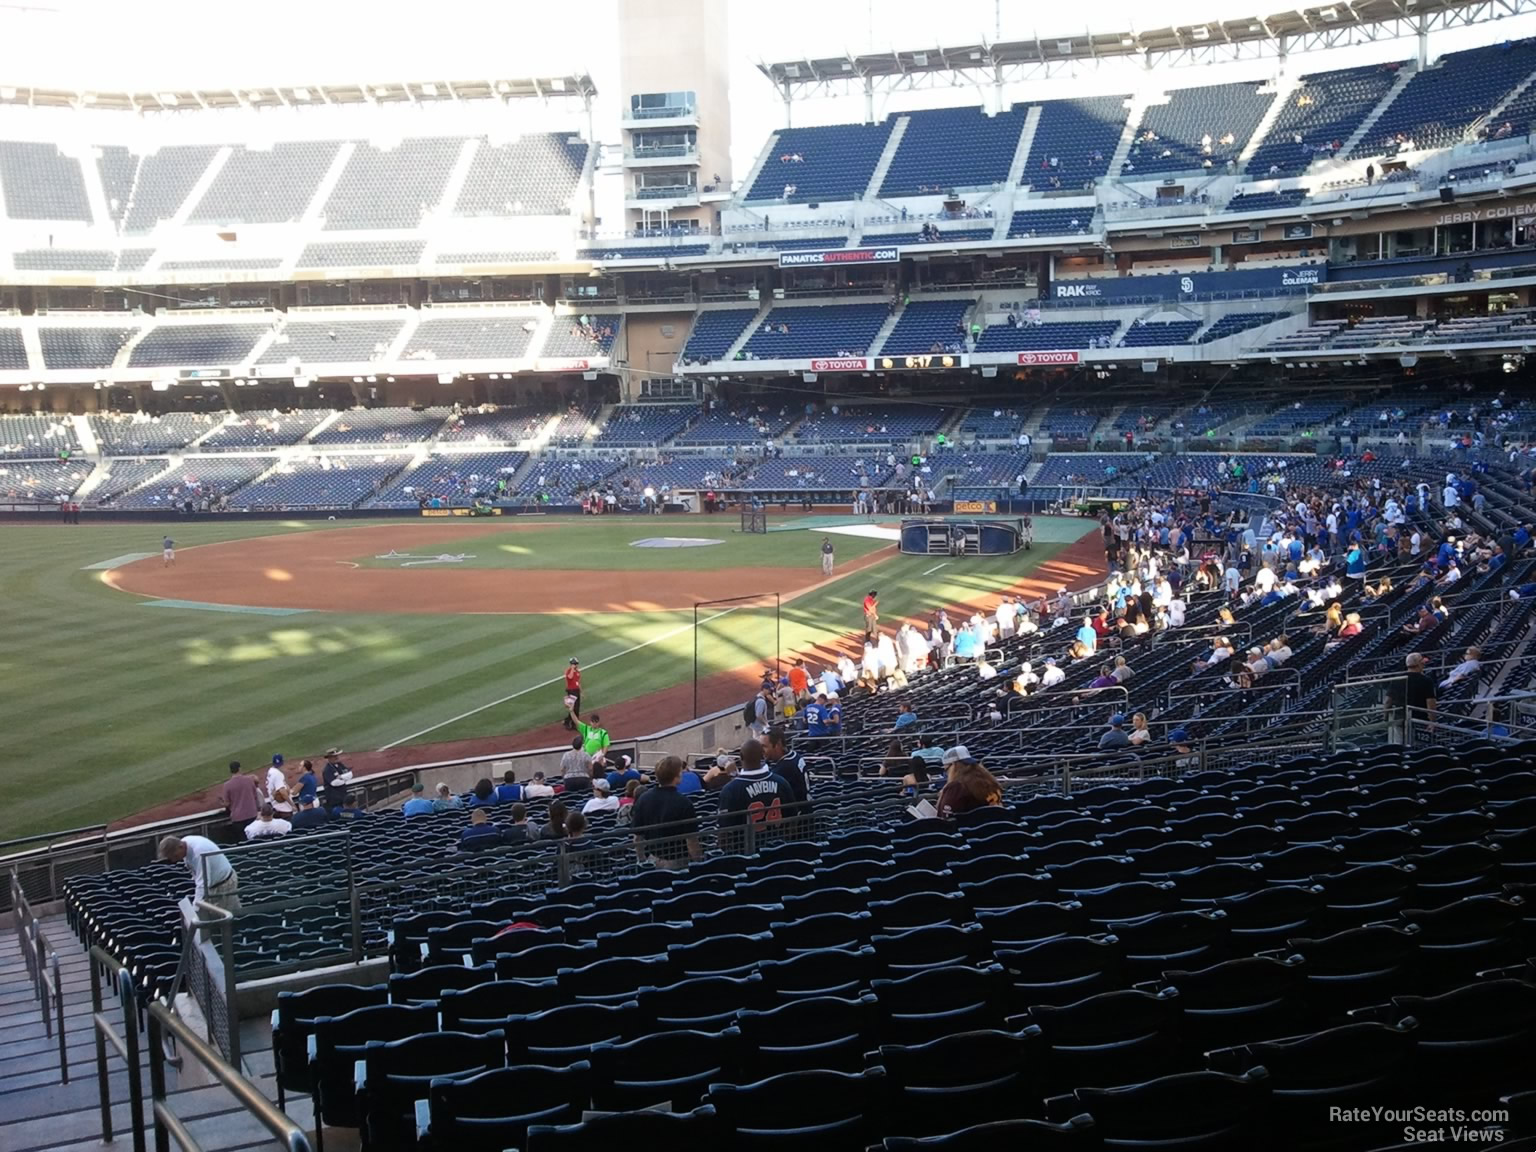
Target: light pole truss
1191, 45
544, 88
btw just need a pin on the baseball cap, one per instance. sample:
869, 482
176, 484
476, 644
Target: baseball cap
277, 759
418, 787
600, 783
1117, 720
958, 754
1178, 736
573, 660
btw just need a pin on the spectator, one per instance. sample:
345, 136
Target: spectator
1140, 734
312, 817
1115, 737
897, 759
242, 800
689, 781
350, 809
1470, 665
479, 834
576, 767
555, 829
576, 839
483, 795
275, 778
309, 787
336, 777
508, 791
756, 796
1410, 700
970, 785
446, 801
666, 829
905, 718
267, 824
625, 774
603, 799
537, 788
213, 876
418, 804
721, 773
786, 764
519, 831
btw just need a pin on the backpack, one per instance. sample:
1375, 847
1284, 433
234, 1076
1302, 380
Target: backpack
749, 712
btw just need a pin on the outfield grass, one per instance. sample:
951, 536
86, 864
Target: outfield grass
111, 706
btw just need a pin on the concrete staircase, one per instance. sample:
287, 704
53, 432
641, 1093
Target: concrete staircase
1285, 89
1498, 109
892, 142
39, 1112
1127, 136
1403, 76
769, 149
885, 330
741, 341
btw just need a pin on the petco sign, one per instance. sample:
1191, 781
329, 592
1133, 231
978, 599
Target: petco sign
839, 256
1050, 357
841, 364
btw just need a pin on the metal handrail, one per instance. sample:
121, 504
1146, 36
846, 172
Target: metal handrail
163, 1020
42, 967
126, 1045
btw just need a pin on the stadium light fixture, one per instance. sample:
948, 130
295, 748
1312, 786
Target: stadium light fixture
373, 379
357, 379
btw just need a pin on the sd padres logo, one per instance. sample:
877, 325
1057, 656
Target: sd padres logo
1186, 284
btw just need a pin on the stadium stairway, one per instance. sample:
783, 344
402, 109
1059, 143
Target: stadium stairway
1285, 88
1497, 111
44, 1115
1404, 74
1016, 168
741, 341
883, 165
1127, 135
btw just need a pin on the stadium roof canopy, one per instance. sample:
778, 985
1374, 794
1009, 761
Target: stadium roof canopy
1298, 30
306, 96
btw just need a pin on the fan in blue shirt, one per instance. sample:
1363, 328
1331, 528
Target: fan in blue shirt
816, 716
417, 805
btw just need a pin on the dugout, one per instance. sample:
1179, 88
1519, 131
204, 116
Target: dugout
936, 537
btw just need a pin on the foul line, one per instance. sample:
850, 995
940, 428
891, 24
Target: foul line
935, 568
679, 630
857, 565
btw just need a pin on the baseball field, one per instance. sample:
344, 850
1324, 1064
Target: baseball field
128, 685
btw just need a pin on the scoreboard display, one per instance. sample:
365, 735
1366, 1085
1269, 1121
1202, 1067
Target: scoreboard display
926, 360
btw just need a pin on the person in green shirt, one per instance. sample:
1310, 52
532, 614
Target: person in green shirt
594, 737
